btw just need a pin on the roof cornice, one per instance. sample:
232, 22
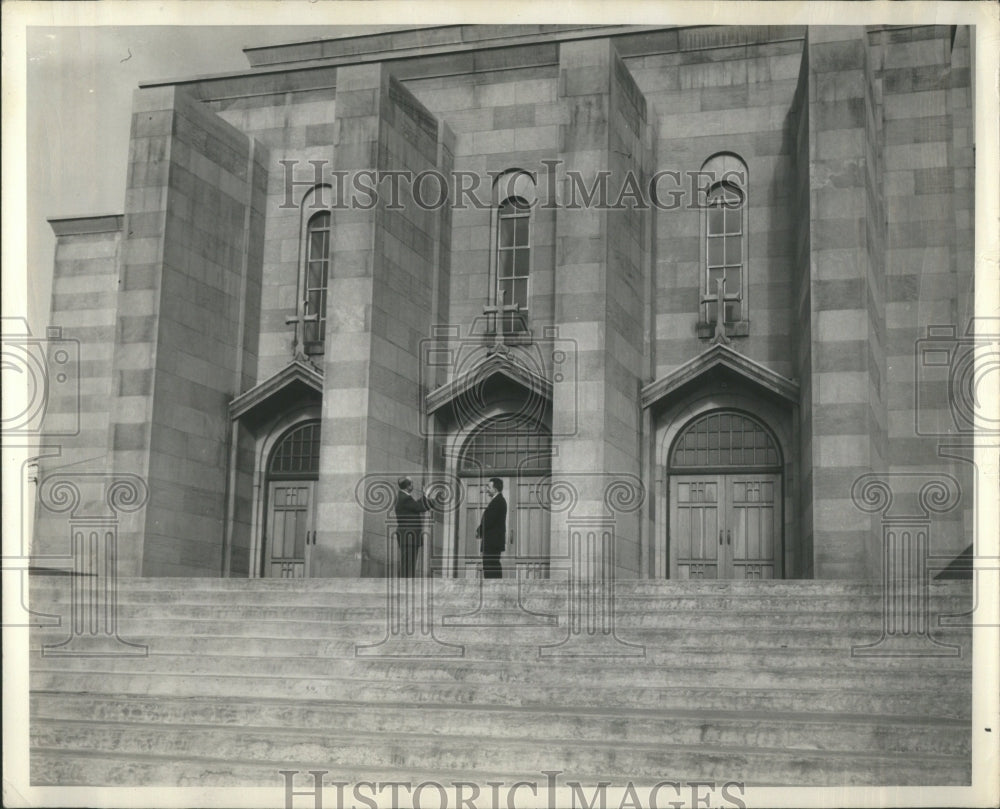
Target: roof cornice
81, 225
458, 54
427, 41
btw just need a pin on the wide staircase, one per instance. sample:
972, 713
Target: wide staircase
753, 682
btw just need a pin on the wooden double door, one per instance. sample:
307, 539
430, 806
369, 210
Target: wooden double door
528, 527
725, 526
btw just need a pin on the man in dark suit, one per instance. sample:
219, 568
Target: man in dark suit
492, 530
410, 526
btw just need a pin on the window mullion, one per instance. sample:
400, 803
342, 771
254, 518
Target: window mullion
725, 249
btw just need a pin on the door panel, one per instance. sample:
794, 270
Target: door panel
528, 528
290, 529
528, 543
470, 559
753, 499
725, 526
694, 527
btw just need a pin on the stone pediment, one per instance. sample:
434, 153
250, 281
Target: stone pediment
292, 383
497, 366
721, 358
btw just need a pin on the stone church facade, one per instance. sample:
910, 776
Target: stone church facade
268, 328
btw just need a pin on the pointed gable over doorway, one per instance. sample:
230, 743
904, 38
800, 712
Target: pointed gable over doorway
722, 362
499, 370
294, 383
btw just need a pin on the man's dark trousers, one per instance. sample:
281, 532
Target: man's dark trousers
409, 550
491, 566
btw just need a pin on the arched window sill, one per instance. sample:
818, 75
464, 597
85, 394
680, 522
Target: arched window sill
740, 328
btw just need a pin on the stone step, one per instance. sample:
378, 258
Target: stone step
717, 649
363, 606
887, 700
64, 768
61, 768
46, 587
465, 600
840, 638
374, 615
785, 731
747, 680
469, 754
625, 587
568, 673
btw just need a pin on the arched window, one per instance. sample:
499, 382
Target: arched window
297, 454
314, 281
724, 439
513, 251
507, 446
724, 243
514, 195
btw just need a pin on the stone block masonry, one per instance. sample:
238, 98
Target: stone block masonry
928, 170
856, 234
183, 265
296, 127
84, 301
846, 304
376, 316
704, 105
607, 130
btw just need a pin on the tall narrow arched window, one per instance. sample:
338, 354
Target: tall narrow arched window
514, 194
315, 279
724, 244
513, 252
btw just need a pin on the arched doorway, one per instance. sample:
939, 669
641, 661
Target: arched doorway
519, 452
290, 524
725, 496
